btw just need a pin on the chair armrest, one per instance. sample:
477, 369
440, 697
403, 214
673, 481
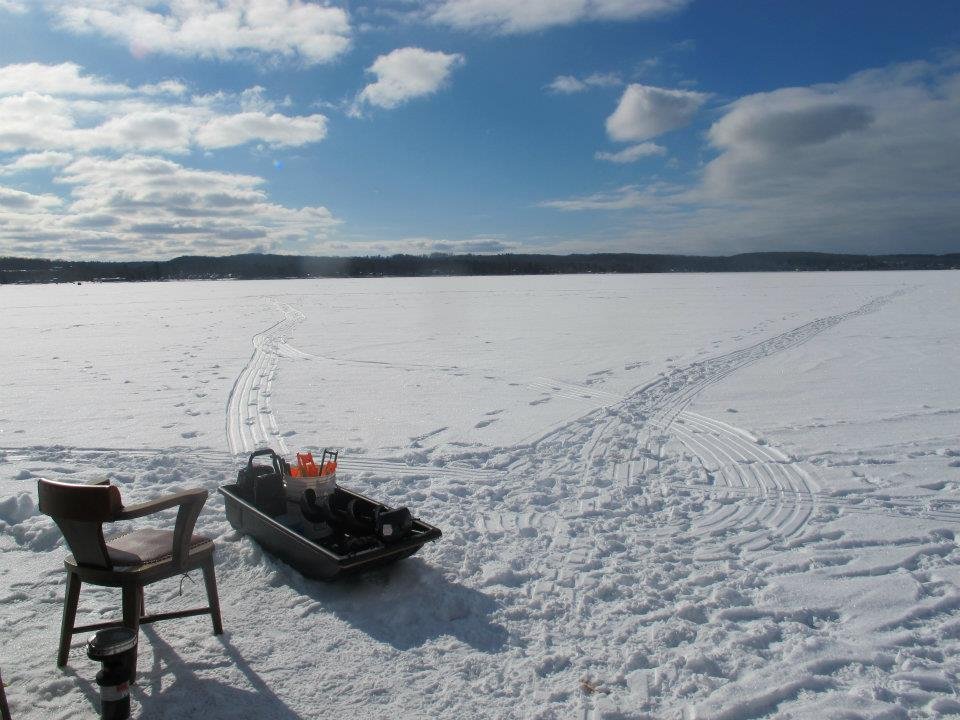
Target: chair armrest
150, 507
190, 503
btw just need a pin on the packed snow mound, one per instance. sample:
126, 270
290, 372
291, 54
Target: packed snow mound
17, 508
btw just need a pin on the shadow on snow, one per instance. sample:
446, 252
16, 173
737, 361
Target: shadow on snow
407, 604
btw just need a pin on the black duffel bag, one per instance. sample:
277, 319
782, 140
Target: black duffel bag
262, 485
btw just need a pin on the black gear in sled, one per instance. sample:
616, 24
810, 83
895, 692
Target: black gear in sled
262, 485
349, 515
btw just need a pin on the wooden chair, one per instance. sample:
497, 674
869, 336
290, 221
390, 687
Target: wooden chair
129, 561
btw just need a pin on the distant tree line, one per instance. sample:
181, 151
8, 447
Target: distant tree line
258, 266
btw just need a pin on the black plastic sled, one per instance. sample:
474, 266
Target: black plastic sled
359, 533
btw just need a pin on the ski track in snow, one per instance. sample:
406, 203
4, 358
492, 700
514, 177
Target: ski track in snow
627, 551
558, 388
251, 422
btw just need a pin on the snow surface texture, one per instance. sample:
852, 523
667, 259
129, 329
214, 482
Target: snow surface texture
698, 496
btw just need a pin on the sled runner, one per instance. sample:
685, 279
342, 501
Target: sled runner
318, 527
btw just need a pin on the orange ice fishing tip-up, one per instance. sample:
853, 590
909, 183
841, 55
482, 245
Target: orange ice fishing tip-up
307, 467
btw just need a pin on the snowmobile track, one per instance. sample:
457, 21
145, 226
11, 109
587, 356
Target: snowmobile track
615, 469
780, 485
250, 420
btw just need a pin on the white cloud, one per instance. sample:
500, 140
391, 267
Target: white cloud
788, 119
645, 112
137, 204
162, 129
407, 73
37, 122
308, 32
253, 99
477, 246
632, 153
649, 64
569, 84
480, 245
890, 130
24, 202
153, 207
68, 80
509, 16
627, 197
165, 87
77, 112
33, 122
870, 164
275, 129
13, 6
63, 79
36, 161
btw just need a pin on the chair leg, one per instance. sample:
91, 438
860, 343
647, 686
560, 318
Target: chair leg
70, 602
213, 600
132, 595
143, 607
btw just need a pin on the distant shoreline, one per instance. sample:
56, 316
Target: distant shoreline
263, 267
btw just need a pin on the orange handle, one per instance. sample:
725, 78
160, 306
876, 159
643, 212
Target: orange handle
308, 468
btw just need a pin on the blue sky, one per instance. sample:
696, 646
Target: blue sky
153, 129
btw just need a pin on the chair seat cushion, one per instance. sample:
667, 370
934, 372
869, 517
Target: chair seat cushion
148, 546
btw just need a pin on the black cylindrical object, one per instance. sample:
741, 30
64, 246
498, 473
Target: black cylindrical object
116, 648
4, 708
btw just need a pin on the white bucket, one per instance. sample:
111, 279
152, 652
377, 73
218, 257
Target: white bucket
295, 487
322, 486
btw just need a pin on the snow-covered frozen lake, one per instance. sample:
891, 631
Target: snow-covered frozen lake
679, 496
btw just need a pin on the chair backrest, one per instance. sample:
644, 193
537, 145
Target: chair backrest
80, 511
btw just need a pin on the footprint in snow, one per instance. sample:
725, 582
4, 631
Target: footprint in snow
484, 423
